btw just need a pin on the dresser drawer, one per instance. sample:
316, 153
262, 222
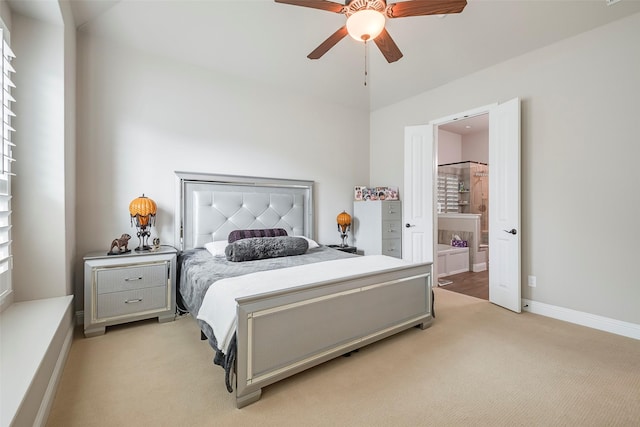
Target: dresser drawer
116, 279
392, 247
134, 301
391, 210
391, 229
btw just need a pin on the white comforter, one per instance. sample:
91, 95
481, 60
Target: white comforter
219, 305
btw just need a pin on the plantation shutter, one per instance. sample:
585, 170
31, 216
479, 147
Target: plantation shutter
447, 193
6, 153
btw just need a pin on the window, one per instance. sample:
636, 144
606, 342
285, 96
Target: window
6, 161
448, 187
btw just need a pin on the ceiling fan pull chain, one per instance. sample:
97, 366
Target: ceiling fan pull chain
365, 62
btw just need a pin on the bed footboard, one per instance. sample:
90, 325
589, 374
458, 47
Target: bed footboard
282, 333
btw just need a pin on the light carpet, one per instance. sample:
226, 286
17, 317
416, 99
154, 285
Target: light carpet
477, 365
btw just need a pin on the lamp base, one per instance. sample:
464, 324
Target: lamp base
143, 237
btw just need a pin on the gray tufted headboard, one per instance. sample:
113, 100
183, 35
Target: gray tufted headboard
210, 206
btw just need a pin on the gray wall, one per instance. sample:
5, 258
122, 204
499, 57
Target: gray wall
580, 104
142, 117
44, 186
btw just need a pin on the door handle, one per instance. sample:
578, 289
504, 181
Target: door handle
409, 225
512, 231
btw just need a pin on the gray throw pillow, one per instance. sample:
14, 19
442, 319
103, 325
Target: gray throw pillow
254, 248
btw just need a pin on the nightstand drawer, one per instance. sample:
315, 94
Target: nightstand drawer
392, 247
134, 301
116, 279
391, 229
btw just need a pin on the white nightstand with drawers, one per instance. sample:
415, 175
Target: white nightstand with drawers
124, 288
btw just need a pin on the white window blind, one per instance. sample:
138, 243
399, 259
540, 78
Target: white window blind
6, 155
447, 193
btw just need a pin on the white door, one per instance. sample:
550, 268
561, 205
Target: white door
504, 198
504, 205
417, 238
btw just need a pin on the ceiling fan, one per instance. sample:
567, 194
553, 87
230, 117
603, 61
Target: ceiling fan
366, 19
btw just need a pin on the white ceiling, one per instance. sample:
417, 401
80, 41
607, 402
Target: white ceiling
268, 42
468, 125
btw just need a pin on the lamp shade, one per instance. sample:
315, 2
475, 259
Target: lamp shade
365, 24
344, 221
142, 208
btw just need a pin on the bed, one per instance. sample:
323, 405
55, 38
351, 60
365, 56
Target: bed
284, 314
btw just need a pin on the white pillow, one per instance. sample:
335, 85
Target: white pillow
216, 248
312, 243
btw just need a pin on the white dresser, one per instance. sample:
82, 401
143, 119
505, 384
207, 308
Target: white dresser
124, 288
378, 227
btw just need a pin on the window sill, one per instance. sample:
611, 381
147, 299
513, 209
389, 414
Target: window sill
34, 339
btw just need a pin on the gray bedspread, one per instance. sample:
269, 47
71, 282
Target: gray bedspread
198, 269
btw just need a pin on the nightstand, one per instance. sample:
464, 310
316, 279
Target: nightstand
349, 249
124, 288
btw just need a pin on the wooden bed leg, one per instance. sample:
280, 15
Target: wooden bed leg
242, 401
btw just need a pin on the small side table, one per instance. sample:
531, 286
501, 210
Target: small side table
128, 287
348, 249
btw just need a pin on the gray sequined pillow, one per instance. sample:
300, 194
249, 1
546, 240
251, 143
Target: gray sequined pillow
254, 248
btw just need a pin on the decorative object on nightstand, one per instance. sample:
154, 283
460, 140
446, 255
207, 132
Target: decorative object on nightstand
128, 287
120, 244
143, 216
344, 222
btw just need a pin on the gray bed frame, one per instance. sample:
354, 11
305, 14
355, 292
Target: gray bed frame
284, 332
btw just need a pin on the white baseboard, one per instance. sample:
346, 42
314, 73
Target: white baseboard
478, 267
618, 327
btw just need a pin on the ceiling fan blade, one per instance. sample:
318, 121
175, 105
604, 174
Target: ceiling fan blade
425, 7
328, 43
387, 46
315, 4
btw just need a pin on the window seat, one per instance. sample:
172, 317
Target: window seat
35, 337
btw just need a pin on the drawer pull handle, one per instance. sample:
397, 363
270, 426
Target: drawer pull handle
133, 301
131, 279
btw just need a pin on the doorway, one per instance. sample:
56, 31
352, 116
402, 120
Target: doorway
420, 216
462, 207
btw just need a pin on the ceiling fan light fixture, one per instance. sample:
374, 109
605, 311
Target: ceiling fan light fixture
366, 24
